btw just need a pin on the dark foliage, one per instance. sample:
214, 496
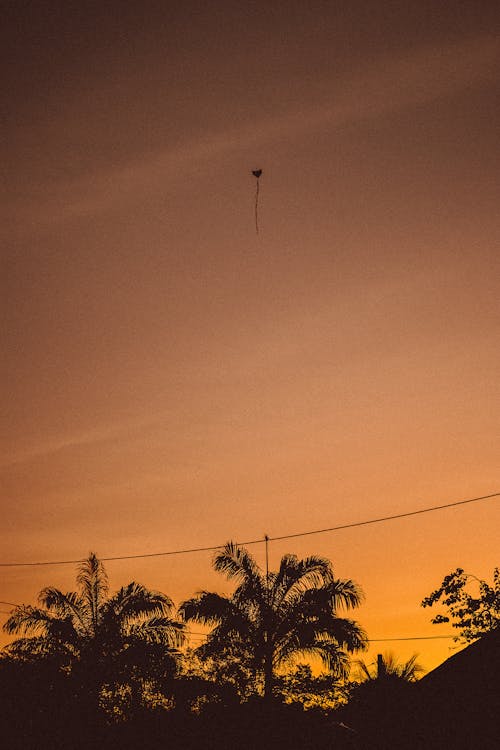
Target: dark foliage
109, 652
271, 618
473, 614
61, 723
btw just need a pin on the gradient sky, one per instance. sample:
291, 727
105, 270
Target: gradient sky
171, 379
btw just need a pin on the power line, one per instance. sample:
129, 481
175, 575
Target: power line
198, 635
370, 640
353, 525
386, 518
411, 638
124, 557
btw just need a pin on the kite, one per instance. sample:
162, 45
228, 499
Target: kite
257, 173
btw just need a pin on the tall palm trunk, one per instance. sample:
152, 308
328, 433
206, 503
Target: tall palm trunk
268, 674
268, 660
268, 642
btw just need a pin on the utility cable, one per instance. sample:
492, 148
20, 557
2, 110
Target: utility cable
353, 525
370, 640
411, 638
385, 518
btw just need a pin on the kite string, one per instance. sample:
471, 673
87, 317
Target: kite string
257, 207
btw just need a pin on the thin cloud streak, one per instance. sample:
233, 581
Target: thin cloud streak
394, 85
92, 437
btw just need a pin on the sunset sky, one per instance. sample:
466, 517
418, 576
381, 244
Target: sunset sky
174, 380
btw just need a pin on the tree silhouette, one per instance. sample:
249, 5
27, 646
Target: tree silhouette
472, 615
381, 703
300, 687
389, 666
98, 637
270, 619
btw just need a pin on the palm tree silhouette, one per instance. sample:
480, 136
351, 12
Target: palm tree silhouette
389, 666
276, 616
96, 634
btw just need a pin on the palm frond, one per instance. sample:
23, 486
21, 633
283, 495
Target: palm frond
29, 648
93, 582
236, 562
365, 673
135, 600
236, 628
338, 594
26, 619
408, 671
335, 659
64, 605
159, 630
206, 608
295, 577
347, 633
345, 594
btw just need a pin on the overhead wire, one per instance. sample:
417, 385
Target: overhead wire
412, 638
407, 514
198, 635
281, 537
370, 640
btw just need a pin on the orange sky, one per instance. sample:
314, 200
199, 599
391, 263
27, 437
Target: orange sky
173, 380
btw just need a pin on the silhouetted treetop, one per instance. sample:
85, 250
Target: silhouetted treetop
472, 615
273, 617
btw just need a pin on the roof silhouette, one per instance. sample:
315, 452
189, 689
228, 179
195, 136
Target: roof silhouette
457, 705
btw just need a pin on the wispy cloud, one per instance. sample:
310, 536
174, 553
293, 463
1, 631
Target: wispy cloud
69, 441
394, 84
